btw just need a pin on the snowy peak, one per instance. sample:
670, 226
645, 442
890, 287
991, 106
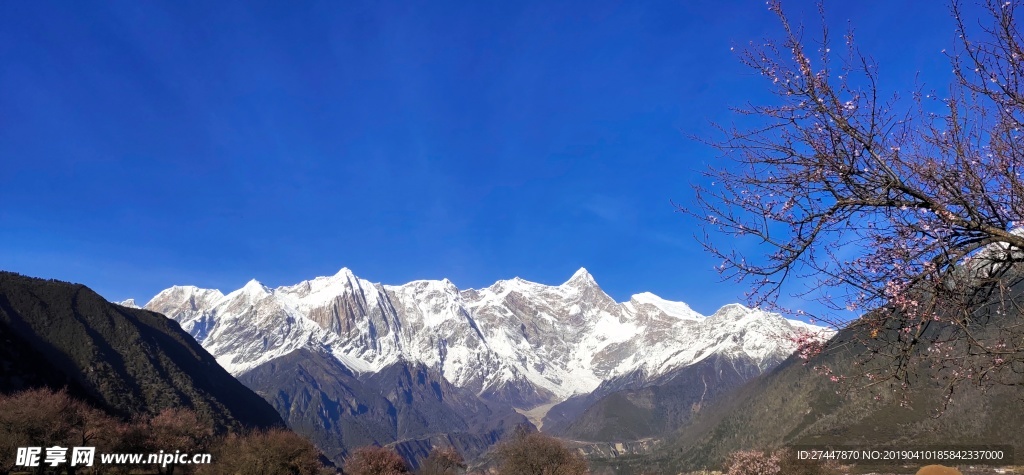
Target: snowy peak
345, 273
130, 303
322, 290
736, 316
254, 287
581, 278
673, 309
183, 296
733, 308
182, 290
732, 311
741, 314
253, 291
342, 277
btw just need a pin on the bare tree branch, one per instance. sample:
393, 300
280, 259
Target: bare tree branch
908, 208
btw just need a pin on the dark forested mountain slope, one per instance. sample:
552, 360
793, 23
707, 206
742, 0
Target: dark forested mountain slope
658, 407
127, 361
404, 405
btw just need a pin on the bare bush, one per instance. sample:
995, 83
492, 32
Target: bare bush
443, 461
781, 462
373, 460
178, 430
45, 418
270, 452
751, 462
534, 453
790, 464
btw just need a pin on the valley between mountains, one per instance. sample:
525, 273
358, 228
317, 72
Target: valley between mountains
347, 362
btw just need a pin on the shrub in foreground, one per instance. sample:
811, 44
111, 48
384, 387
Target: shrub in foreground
443, 461
44, 418
372, 460
752, 462
271, 452
538, 454
791, 465
782, 462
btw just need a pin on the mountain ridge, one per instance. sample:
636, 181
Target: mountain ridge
515, 340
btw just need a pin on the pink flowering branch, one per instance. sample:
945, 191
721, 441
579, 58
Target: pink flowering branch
906, 208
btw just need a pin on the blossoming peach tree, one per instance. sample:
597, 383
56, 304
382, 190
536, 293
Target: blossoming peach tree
905, 209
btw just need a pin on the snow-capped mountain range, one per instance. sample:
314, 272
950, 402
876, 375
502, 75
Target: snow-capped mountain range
518, 341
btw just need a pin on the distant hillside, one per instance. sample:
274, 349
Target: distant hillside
126, 361
793, 404
659, 407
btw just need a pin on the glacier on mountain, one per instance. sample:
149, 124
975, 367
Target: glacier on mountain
519, 341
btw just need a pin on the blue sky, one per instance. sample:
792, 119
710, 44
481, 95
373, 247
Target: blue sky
146, 144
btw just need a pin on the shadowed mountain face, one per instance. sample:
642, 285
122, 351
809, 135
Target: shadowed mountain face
127, 361
632, 410
404, 405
